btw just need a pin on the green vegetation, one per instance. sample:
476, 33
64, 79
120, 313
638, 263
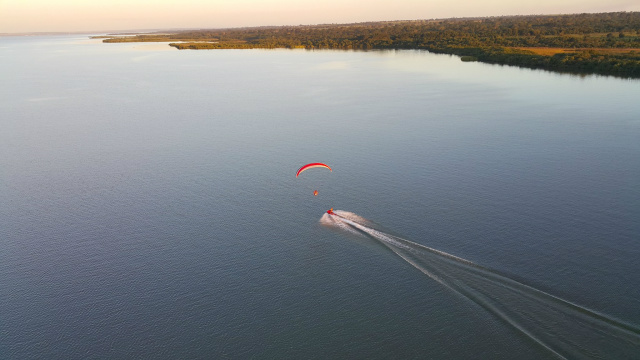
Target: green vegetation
467, 58
606, 43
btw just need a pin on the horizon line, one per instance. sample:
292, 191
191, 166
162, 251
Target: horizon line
139, 31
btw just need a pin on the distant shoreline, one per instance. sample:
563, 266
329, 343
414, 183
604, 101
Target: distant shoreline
604, 43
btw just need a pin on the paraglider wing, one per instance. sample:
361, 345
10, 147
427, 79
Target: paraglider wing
311, 166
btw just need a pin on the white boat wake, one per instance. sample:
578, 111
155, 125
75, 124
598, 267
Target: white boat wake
565, 329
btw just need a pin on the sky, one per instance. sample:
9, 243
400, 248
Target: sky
20, 16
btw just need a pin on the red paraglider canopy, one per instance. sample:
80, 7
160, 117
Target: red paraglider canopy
312, 165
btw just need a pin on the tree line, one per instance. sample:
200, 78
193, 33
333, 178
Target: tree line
604, 43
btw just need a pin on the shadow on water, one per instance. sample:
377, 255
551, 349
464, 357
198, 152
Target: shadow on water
565, 329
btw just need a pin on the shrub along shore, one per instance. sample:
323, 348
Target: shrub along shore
604, 43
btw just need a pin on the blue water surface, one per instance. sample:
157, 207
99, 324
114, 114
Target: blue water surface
149, 206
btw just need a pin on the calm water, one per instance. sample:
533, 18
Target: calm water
149, 206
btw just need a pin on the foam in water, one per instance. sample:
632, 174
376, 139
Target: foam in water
565, 329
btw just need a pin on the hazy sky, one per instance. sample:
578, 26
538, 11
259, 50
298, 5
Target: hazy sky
100, 15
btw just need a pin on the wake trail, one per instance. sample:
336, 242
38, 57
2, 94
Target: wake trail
565, 329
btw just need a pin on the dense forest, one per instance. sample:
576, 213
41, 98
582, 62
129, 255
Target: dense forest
605, 43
